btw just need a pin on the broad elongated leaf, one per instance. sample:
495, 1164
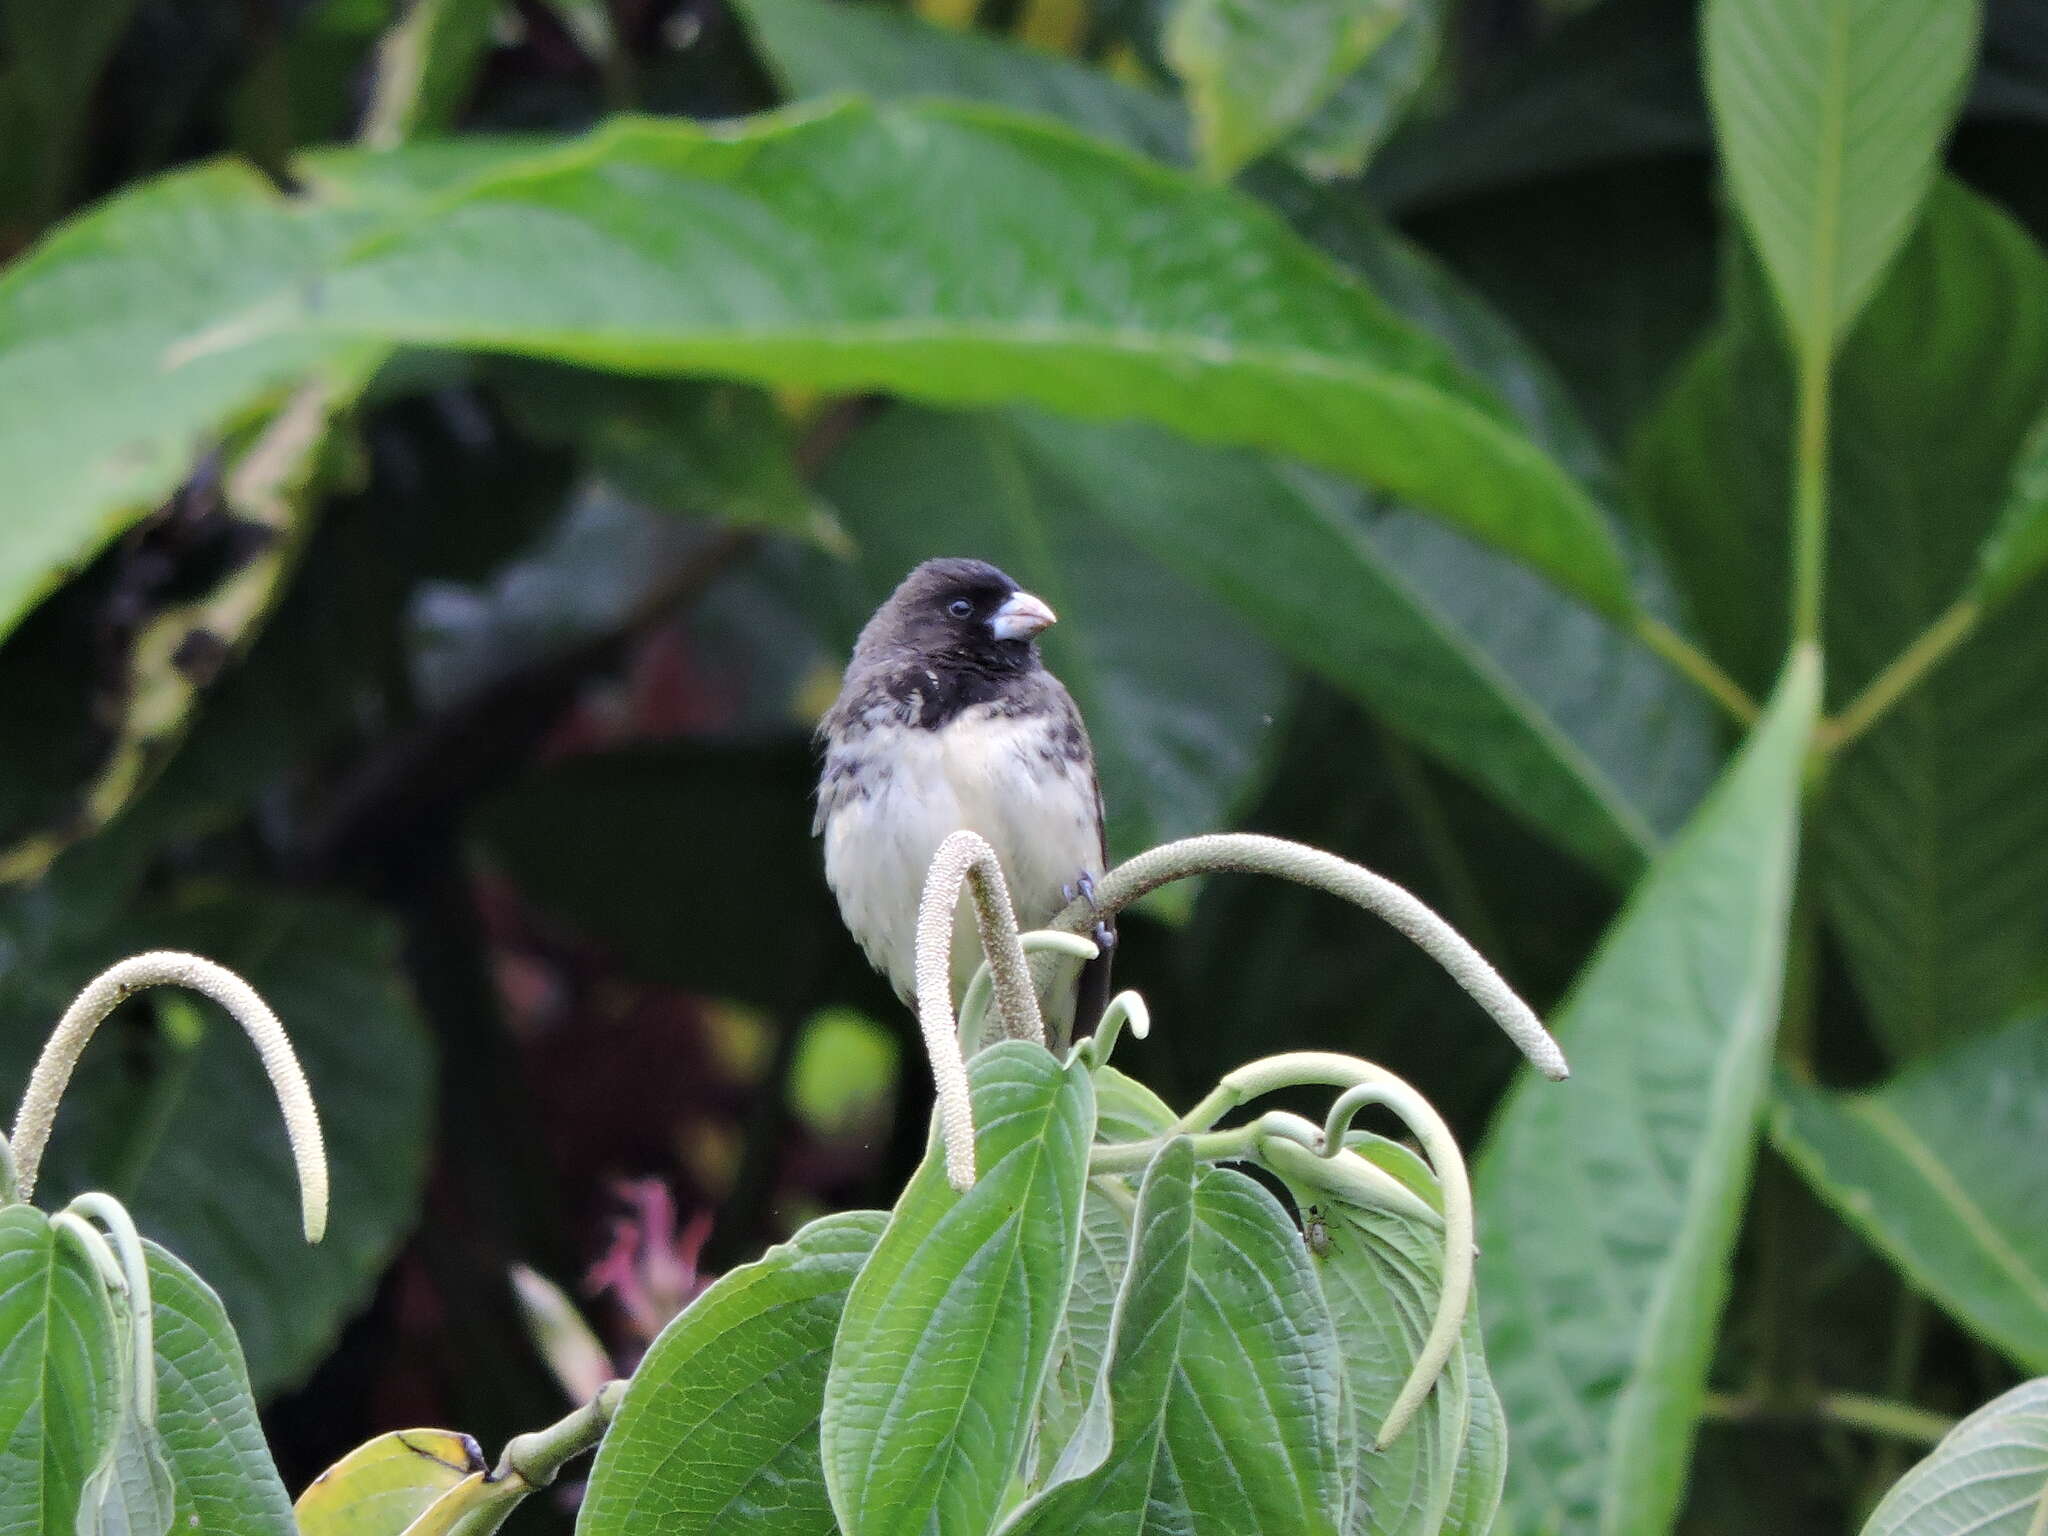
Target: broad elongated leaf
58, 1349
383, 1485
877, 246
1925, 1168
1988, 1477
1383, 1274
1086, 1325
1570, 723
1177, 694
719, 1429
91, 439
1831, 116
1224, 1390
216, 1183
1608, 1206
948, 1332
1932, 833
206, 1418
1106, 1481
1257, 70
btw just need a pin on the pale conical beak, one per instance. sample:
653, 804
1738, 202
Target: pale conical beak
1021, 617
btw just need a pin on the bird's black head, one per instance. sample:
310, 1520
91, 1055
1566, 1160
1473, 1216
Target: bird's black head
960, 613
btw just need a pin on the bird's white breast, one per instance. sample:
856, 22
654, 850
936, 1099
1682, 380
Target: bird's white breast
999, 775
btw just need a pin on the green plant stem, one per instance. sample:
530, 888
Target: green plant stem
1852, 1410
1810, 494
1932, 647
1697, 668
538, 1457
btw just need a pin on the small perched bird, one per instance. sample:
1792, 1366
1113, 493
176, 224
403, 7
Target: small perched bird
948, 719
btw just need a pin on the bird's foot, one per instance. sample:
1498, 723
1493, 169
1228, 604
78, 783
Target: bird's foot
1084, 888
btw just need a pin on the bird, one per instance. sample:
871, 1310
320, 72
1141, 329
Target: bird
946, 719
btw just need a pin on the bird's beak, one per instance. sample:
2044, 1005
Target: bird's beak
1021, 617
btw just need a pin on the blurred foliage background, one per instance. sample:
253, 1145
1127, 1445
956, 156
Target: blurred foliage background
461, 699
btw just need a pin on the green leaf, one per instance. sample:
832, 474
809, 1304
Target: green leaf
1831, 117
825, 47
386, 1483
1106, 1479
151, 1128
1932, 845
889, 227
718, 1431
1257, 70
91, 438
1925, 1168
1126, 1110
206, 1416
1608, 1207
58, 1350
1225, 1390
1342, 134
1086, 1322
1177, 694
948, 1332
1988, 1477
2017, 550
1383, 1274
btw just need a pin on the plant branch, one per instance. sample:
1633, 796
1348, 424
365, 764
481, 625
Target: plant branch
1251, 853
1697, 668
537, 1458
115, 986
1929, 650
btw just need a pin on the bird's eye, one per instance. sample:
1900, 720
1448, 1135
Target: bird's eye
960, 608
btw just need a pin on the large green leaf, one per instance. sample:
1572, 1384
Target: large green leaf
1831, 117
865, 246
1257, 70
1608, 1206
1087, 1323
1106, 1480
206, 1418
1933, 832
719, 1429
943, 1348
1988, 1477
1224, 1395
1382, 1273
1925, 1167
185, 1129
57, 1373
1177, 695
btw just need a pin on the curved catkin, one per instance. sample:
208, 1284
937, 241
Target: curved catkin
159, 968
1253, 853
